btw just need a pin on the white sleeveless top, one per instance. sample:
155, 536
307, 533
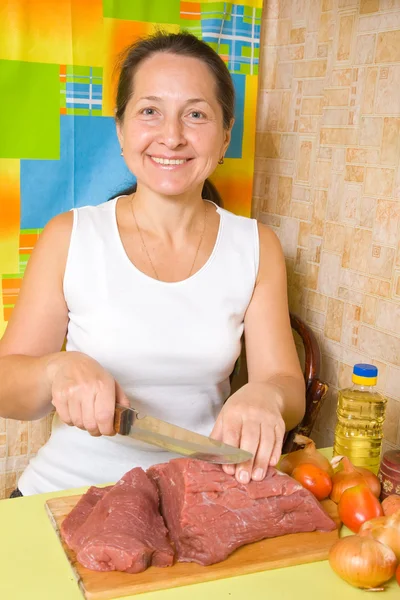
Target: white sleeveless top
171, 346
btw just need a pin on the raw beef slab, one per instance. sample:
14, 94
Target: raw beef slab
120, 530
209, 514
80, 513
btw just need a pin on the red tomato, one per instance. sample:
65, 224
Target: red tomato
357, 505
398, 574
314, 479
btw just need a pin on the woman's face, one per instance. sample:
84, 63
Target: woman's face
172, 133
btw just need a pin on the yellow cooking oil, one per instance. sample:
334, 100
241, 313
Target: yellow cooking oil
360, 416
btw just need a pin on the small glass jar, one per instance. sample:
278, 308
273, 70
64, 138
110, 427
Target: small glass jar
389, 474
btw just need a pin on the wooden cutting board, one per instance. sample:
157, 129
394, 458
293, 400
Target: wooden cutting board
273, 553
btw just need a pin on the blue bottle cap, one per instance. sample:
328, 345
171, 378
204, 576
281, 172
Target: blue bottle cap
365, 370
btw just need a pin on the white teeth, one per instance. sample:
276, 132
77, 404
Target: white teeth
166, 161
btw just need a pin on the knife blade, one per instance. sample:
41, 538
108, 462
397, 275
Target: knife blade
127, 421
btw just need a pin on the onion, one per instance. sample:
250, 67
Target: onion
385, 530
350, 476
391, 504
309, 454
362, 561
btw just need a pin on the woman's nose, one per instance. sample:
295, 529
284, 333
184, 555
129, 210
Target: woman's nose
172, 134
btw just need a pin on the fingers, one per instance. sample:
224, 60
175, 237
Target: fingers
120, 396
250, 438
231, 429
104, 408
277, 450
89, 418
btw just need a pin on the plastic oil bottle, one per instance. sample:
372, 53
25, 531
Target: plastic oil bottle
360, 416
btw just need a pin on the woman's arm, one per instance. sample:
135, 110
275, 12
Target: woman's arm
37, 328
256, 416
270, 349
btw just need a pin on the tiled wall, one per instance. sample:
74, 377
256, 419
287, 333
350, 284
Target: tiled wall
328, 181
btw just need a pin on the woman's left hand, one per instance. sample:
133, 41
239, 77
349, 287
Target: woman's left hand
251, 419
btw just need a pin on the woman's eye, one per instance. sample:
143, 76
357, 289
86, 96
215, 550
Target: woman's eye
148, 112
197, 114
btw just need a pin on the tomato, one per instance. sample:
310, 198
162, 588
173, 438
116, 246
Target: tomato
314, 479
398, 574
358, 505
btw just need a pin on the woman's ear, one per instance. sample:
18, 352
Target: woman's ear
119, 133
228, 136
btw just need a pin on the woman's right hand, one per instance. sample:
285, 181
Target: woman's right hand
84, 394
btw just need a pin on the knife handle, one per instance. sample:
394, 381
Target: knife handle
123, 419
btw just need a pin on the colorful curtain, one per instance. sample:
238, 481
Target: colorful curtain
58, 147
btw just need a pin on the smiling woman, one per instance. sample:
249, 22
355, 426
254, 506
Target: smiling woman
153, 291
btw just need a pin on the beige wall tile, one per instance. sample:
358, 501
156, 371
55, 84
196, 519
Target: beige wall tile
335, 196
268, 144
386, 223
316, 319
369, 23
311, 47
391, 424
381, 261
326, 26
379, 182
308, 124
342, 136
322, 174
369, 93
334, 237
369, 6
388, 91
368, 314
319, 210
337, 97
362, 155
304, 161
365, 49
360, 249
334, 318
317, 301
335, 117
270, 195
298, 35
310, 68
312, 276
392, 382
284, 195
270, 220
391, 140
354, 173
288, 234
312, 106
290, 53
329, 274
284, 114
341, 77
313, 87
284, 76
379, 344
346, 25
367, 212
300, 210
304, 234
371, 131
388, 316
388, 47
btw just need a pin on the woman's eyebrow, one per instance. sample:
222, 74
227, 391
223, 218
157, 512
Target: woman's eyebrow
189, 101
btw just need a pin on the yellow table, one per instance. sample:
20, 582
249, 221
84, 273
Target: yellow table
33, 566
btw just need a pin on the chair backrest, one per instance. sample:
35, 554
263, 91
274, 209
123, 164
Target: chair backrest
315, 389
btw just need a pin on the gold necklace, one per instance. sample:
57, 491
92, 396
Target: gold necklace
145, 248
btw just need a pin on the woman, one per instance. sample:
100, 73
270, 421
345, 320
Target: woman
153, 291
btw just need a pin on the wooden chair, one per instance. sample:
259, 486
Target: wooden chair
315, 389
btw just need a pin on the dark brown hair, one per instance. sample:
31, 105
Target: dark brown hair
181, 44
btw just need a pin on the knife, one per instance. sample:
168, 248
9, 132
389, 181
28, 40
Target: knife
127, 421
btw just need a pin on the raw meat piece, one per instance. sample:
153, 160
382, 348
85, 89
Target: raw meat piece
81, 511
124, 531
209, 514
